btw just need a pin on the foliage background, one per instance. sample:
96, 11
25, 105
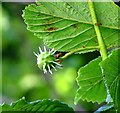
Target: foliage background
20, 74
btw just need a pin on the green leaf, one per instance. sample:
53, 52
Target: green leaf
39, 105
67, 26
105, 108
90, 82
111, 70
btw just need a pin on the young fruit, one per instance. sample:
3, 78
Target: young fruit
46, 60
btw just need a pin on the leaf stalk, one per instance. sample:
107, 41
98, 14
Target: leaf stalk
103, 50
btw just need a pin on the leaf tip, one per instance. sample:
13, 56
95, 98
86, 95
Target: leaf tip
23, 98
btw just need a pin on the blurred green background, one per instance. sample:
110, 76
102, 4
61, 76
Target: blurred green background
20, 74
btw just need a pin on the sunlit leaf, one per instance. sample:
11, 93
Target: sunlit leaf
91, 84
67, 26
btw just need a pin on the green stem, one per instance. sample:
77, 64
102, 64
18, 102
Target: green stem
103, 50
77, 50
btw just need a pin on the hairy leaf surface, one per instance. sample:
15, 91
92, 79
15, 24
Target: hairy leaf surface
40, 105
67, 26
111, 70
91, 84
